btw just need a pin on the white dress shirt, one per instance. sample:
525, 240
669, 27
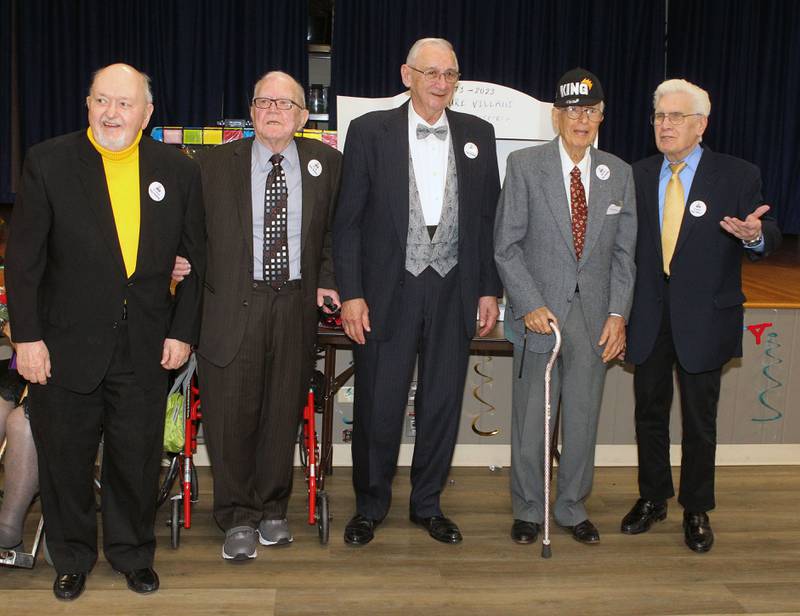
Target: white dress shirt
429, 157
567, 166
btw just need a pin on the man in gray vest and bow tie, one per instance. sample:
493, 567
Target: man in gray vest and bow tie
564, 244
413, 259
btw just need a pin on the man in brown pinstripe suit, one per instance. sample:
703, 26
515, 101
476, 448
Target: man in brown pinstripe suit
269, 201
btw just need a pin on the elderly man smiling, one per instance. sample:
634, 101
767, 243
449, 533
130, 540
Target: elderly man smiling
413, 252
99, 219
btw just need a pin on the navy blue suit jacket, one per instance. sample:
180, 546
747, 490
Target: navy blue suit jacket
705, 287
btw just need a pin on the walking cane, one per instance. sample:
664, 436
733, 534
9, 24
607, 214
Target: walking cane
546, 553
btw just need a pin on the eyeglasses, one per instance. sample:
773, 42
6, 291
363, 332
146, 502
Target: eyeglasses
676, 118
284, 104
574, 112
431, 74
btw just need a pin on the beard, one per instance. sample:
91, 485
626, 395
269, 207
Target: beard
109, 143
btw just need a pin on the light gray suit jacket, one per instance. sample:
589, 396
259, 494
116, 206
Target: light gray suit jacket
534, 249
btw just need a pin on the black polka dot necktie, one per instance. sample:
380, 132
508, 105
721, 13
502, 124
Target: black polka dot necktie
276, 244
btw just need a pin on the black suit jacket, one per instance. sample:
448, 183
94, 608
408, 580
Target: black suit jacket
66, 278
229, 219
705, 287
371, 225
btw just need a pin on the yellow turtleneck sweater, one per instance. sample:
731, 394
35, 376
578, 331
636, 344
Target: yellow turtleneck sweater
122, 177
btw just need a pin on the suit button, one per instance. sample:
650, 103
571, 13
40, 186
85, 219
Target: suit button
245, 303
115, 325
402, 282
255, 285
130, 284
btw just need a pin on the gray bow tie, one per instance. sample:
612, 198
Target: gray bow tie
423, 131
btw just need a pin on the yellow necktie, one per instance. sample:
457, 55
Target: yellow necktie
674, 204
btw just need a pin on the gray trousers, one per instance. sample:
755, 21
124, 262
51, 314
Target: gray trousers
577, 379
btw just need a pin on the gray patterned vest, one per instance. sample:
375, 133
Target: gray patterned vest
441, 252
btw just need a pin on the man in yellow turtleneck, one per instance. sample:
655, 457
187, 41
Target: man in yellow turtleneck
98, 222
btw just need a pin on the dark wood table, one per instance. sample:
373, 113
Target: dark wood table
329, 340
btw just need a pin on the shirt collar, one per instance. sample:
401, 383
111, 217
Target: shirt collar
262, 154
691, 161
567, 164
414, 118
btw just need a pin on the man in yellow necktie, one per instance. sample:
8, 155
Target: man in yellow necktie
100, 217
698, 212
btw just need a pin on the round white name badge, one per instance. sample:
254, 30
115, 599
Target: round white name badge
471, 150
602, 172
314, 167
156, 191
697, 209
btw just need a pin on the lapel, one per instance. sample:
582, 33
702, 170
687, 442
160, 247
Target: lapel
395, 142
148, 172
93, 178
651, 168
599, 200
242, 160
555, 195
308, 184
702, 189
459, 138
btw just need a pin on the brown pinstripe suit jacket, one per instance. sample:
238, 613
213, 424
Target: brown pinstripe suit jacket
225, 172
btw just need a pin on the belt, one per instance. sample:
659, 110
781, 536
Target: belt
284, 286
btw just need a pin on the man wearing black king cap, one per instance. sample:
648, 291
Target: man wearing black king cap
564, 241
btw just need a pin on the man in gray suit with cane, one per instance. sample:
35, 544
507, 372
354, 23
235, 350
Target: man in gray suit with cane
565, 236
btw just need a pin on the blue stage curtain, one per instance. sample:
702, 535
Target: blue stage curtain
523, 44
746, 54
203, 56
5, 102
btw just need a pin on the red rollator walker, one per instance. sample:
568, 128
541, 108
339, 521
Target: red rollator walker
182, 463
318, 506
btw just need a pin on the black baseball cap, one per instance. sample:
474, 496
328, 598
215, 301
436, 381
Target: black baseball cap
578, 87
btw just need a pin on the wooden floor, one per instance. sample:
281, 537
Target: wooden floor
775, 281
754, 567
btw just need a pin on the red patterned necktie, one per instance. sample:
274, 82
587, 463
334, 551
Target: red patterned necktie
577, 199
276, 244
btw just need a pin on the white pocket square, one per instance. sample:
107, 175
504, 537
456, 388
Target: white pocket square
613, 209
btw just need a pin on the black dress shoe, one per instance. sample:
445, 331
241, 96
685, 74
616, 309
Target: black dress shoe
439, 527
69, 586
585, 532
523, 532
641, 517
359, 530
697, 531
143, 581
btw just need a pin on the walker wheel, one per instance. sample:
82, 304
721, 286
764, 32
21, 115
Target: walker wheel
175, 523
323, 517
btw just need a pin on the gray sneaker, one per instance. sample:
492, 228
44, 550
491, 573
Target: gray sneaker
240, 543
274, 532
